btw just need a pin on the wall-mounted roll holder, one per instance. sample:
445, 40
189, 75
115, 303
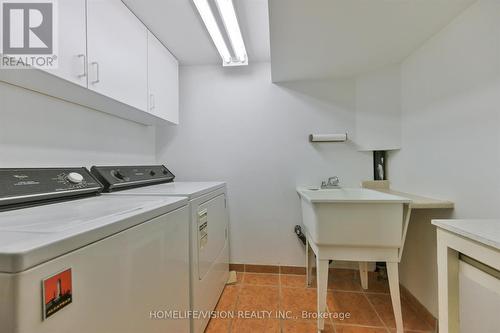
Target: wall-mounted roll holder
338, 137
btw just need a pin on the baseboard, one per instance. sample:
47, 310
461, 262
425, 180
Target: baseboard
418, 307
297, 270
271, 269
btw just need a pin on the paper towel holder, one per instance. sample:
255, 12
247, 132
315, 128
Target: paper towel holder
334, 137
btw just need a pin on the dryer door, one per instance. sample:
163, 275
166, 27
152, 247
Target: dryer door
211, 236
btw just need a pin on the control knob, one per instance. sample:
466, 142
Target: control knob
75, 177
117, 174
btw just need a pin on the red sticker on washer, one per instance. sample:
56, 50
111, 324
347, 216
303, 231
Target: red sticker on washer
57, 293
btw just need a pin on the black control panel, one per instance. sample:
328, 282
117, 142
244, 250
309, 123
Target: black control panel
30, 185
122, 177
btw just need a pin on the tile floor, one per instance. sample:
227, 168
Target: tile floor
370, 310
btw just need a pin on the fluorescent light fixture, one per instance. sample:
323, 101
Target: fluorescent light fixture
228, 15
213, 29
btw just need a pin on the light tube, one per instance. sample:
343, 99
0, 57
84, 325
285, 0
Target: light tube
228, 15
213, 29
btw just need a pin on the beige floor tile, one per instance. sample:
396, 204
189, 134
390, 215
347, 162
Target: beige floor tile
358, 329
239, 277
294, 281
298, 300
270, 292
383, 306
261, 279
227, 301
343, 280
258, 298
356, 305
295, 326
242, 325
377, 284
218, 326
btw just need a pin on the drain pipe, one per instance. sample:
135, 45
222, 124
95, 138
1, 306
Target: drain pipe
379, 173
300, 234
302, 237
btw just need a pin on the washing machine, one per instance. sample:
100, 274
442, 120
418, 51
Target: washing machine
72, 260
209, 248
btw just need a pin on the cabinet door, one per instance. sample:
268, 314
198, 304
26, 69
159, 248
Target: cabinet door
117, 52
72, 50
163, 76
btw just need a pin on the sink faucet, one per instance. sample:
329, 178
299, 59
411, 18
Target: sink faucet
332, 182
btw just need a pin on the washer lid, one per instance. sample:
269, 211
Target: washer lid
183, 189
31, 236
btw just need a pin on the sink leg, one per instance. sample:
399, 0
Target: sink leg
322, 285
393, 275
363, 274
309, 264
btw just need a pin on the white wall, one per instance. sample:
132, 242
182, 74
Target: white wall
37, 130
450, 134
378, 109
235, 125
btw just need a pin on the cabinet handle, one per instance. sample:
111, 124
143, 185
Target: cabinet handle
96, 64
85, 70
152, 101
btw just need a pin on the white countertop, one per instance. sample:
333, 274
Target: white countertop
420, 202
482, 231
417, 201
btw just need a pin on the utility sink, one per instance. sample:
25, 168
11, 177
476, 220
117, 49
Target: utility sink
353, 217
354, 224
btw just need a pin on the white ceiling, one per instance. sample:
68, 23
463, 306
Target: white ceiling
177, 24
313, 39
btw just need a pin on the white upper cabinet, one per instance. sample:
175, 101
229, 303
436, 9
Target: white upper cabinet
72, 50
163, 79
117, 53
115, 65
